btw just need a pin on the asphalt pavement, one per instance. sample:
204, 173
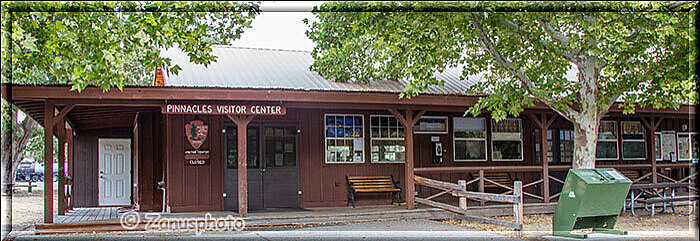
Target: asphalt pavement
401, 230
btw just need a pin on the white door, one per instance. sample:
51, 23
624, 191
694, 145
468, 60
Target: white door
114, 174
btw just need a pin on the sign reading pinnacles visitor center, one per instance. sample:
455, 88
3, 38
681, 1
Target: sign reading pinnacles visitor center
216, 109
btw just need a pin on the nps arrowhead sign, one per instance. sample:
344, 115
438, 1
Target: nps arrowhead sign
196, 132
214, 109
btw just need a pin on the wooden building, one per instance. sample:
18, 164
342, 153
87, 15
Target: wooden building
258, 130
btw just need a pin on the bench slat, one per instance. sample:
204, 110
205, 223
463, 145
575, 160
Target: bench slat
369, 177
651, 201
373, 186
379, 190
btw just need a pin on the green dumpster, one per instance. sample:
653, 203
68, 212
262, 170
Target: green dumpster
590, 198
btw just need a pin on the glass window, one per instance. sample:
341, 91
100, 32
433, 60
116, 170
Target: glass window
566, 146
506, 140
657, 146
232, 147
469, 139
344, 139
633, 142
280, 146
387, 143
688, 148
607, 140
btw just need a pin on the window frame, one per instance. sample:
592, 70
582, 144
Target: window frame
661, 146
643, 140
617, 142
485, 139
371, 140
325, 138
447, 126
520, 127
690, 146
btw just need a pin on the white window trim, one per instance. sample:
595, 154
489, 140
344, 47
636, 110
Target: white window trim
617, 142
520, 126
661, 145
372, 139
690, 145
643, 140
447, 126
325, 138
455, 139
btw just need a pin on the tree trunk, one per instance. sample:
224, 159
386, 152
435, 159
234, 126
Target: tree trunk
585, 141
588, 118
12, 149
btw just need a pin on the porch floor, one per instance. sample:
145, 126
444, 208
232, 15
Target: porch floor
111, 214
91, 214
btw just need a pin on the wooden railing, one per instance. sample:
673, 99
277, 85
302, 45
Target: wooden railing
459, 190
481, 180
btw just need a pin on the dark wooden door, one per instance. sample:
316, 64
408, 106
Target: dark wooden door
281, 171
273, 173
255, 194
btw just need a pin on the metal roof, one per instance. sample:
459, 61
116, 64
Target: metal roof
257, 68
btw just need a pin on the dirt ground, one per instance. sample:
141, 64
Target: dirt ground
27, 208
661, 227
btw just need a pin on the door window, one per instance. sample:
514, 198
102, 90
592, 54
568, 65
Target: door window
280, 146
232, 147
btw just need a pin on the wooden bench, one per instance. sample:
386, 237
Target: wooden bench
502, 178
372, 184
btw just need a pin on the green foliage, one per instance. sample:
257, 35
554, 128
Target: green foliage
110, 44
639, 49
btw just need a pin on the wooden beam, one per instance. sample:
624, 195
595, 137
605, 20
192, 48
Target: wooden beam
69, 142
48, 162
61, 114
61, 129
241, 122
407, 121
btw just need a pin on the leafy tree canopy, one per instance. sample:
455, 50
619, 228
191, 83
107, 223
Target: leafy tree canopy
640, 53
111, 44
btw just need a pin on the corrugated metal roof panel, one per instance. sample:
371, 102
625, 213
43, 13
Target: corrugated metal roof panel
238, 67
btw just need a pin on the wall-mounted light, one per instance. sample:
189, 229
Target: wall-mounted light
684, 127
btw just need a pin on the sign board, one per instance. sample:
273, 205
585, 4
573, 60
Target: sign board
196, 132
213, 109
668, 145
196, 157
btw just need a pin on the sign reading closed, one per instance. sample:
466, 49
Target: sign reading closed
196, 157
212, 109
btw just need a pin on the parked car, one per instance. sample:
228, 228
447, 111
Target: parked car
34, 172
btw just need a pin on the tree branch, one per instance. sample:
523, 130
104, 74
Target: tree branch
488, 45
554, 34
566, 55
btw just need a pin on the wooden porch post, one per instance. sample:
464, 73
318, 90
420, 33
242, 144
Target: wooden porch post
652, 126
49, 124
542, 125
408, 121
61, 131
241, 129
48, 162
69, 142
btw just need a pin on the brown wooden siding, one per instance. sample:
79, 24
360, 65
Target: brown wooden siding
194, 188
85, 186
148, 155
